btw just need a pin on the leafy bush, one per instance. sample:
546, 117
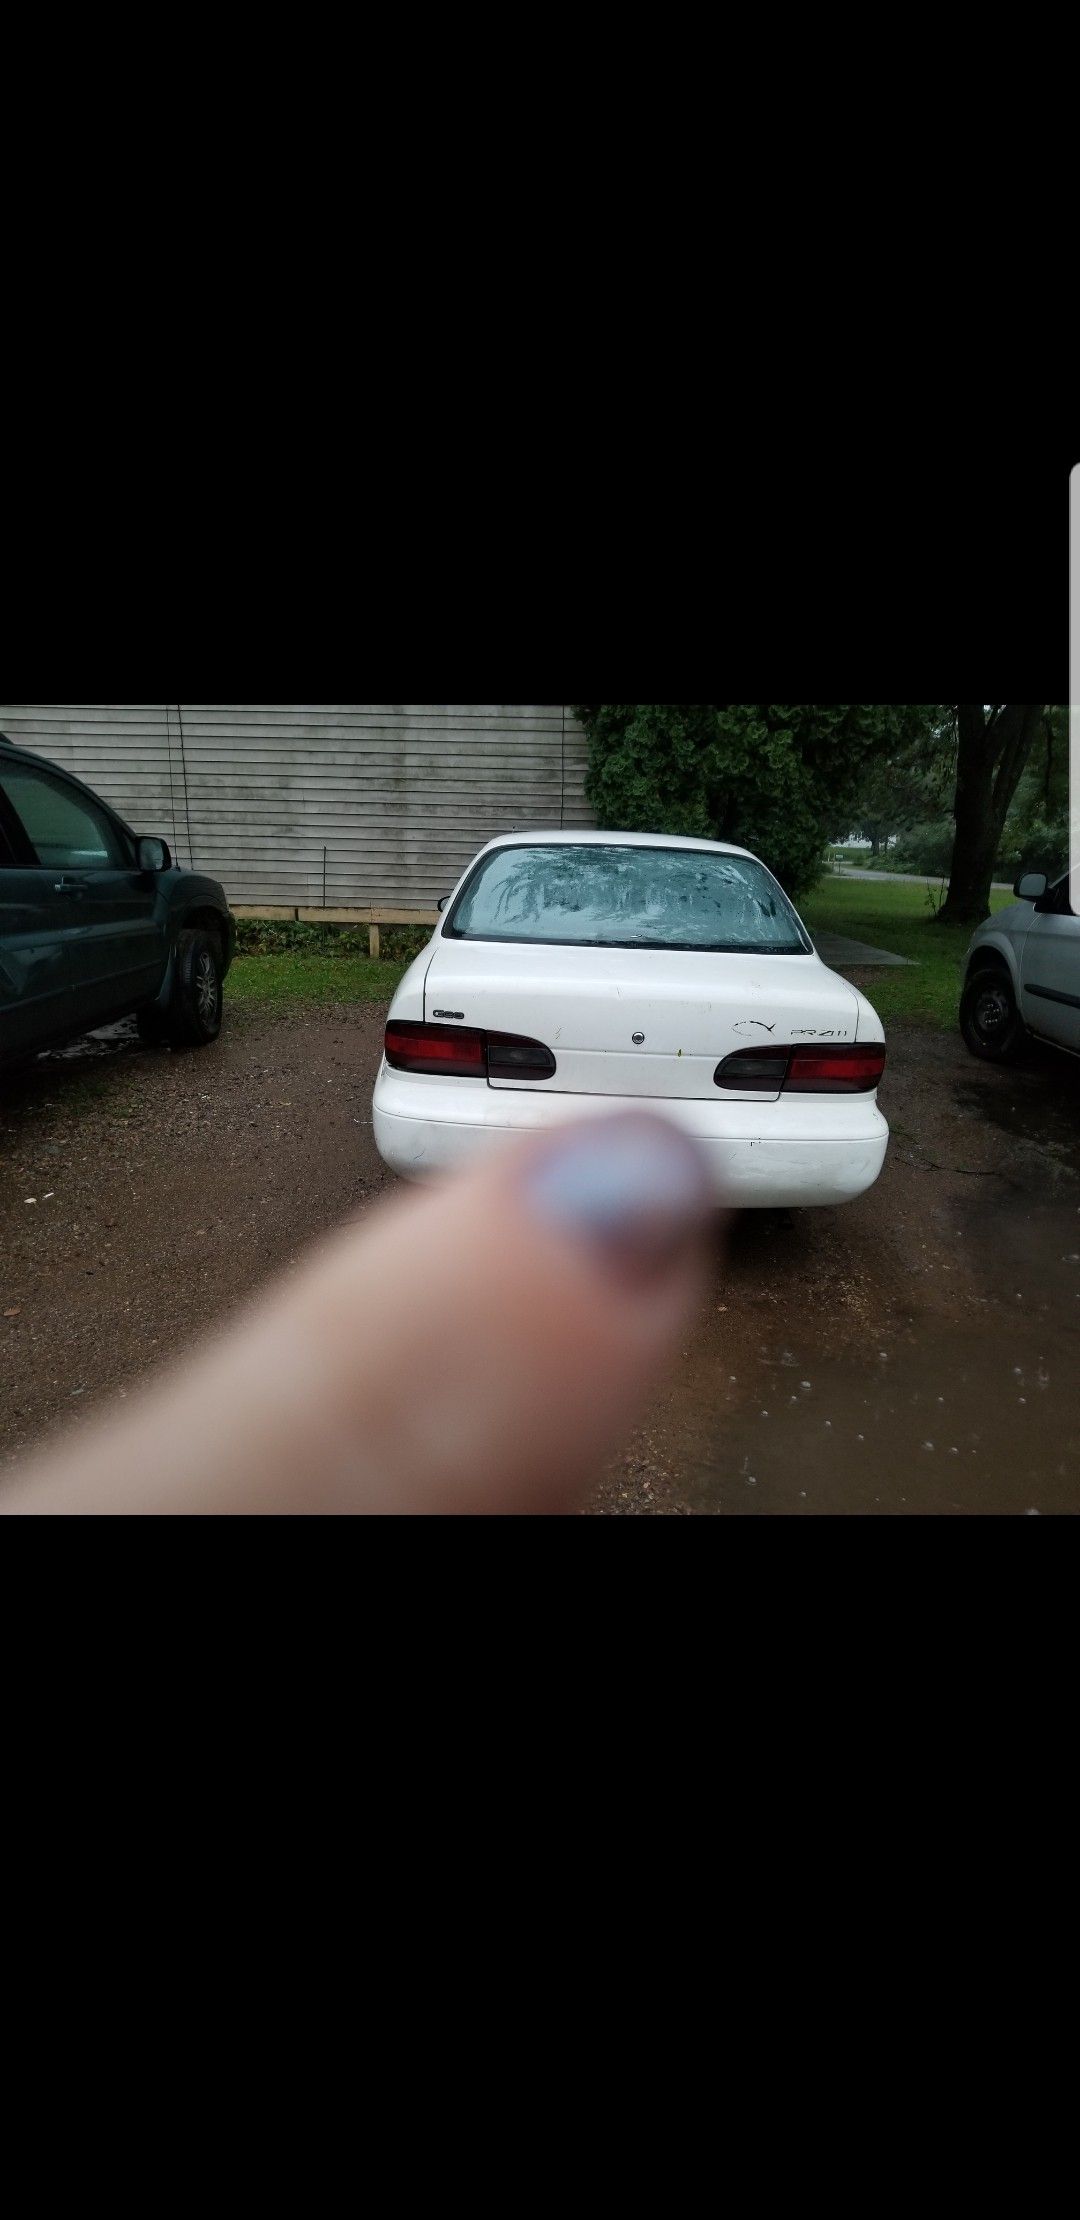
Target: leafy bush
775, 778
1036, 834
275, 936
1033, 845
927, 848
258, 936
1037, 844
400, 943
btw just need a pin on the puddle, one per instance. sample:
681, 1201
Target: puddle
102, 1047
109, 1044
67, 1073
944, 1429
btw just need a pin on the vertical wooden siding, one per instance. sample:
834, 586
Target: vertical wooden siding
371, 803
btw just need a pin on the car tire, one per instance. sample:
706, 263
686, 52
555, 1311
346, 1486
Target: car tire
990, 1022
197, 1007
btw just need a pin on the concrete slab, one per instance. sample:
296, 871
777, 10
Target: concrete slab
842, 954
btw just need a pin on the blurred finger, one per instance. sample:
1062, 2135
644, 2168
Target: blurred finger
481, 1347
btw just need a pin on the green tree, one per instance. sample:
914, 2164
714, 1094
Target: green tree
994, 743
774, 778
1037, 828
903, 783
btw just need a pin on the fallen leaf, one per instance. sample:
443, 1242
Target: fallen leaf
13, 1313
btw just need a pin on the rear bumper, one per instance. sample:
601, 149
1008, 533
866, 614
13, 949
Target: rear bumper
802, 1151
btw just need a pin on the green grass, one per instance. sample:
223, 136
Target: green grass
264, 981
899, 918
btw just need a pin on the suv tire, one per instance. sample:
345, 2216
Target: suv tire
197, 1006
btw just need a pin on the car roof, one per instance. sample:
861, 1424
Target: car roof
30, 755
583, 837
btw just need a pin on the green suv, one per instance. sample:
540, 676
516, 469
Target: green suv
96, 923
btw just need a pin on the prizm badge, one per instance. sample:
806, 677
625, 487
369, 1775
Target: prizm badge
460, 1014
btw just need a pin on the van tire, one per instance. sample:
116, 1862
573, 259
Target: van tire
990, 1021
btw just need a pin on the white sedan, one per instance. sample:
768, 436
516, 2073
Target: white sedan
578, 972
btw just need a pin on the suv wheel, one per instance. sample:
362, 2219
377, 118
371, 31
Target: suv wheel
196, 1010
989, 1019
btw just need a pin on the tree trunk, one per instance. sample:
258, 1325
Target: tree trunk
991, 755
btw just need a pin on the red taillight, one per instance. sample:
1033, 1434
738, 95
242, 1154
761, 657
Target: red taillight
461, 1052
835, 1071
452, 1051
828, 1070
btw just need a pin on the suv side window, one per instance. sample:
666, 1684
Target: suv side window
65, 827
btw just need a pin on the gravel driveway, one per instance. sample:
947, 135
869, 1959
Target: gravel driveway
916, 1351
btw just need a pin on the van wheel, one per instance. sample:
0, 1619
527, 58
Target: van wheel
989, 1019
197, 1006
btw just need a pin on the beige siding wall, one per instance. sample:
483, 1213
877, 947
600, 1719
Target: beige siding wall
379, 803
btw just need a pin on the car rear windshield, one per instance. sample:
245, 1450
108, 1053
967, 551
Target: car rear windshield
611, 897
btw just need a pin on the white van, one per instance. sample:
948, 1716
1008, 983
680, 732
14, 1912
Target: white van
1023, 972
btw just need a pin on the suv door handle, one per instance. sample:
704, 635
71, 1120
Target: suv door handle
71, 886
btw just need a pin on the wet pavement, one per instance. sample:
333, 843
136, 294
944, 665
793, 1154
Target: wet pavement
915, 1352
842, 954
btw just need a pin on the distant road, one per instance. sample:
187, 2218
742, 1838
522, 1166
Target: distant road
905, 878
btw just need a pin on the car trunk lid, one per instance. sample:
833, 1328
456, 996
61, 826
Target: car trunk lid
654, 1022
